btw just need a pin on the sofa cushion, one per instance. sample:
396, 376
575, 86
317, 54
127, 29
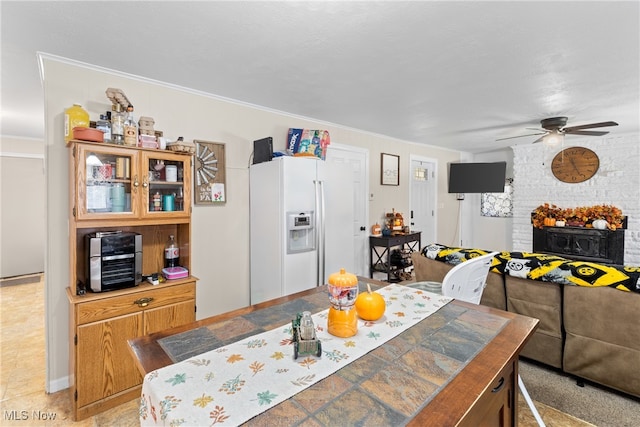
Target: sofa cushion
542, 301
602, 339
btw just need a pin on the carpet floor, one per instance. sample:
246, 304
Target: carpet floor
592, 403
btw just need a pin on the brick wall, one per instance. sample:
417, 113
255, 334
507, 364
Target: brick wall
617, 183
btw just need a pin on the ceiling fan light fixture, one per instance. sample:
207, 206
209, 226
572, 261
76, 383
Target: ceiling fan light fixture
553, 138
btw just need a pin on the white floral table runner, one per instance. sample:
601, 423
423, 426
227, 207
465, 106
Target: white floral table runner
234, 383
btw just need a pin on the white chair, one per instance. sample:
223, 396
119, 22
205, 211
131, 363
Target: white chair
466, 282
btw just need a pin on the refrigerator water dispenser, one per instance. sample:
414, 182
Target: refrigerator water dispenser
300, 232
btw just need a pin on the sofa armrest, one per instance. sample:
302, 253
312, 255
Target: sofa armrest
428, 270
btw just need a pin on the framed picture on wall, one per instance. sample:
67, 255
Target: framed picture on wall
389, 169
209, 171
498, 204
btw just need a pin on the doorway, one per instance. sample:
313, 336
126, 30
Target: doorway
423, 176
23, 202
358, 158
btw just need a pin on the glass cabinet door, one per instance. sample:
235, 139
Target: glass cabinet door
166, 181
107, 182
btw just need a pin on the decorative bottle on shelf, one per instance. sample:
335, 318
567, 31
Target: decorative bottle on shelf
171, 253
117, 124
105, 126
179, 198
74, 116
130, 129
157, 201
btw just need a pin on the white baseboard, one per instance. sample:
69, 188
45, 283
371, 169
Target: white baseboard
57, 385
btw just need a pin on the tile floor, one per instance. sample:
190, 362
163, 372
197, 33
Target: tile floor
23, 401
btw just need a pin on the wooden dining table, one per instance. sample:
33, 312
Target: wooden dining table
459, 366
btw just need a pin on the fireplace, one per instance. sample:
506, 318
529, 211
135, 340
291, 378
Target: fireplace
580, 243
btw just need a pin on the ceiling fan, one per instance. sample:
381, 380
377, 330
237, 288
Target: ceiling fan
554, 128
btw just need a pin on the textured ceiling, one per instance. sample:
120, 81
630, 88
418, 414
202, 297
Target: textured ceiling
456, 74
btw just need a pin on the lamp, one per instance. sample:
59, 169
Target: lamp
93, 160
553, 138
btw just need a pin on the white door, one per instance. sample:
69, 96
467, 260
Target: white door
423, 178
336, 246
358, 158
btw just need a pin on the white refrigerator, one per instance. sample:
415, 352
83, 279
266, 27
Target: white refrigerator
302, 219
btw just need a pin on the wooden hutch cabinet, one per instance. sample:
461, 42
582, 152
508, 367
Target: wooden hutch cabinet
112, 189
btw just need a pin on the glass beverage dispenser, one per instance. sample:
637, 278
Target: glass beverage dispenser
343, 291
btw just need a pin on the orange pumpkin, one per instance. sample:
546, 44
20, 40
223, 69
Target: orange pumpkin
370, 305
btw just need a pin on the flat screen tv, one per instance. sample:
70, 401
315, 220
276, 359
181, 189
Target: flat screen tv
477, 177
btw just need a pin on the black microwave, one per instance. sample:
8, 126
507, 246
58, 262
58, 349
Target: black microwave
114, 260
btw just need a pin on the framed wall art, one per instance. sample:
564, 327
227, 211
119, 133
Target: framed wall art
498, 204
209, 173
389, 169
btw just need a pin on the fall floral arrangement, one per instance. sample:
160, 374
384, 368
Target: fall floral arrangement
583, 216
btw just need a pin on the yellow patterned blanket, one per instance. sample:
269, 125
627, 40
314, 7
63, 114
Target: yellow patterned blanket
546, 268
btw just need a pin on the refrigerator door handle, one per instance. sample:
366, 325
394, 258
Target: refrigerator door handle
320, 233
316, 231
323, 234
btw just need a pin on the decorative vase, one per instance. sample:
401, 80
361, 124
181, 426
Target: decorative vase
600, 224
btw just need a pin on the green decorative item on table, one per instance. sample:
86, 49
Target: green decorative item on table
305, 341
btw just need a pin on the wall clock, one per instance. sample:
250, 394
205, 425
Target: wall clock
575, 164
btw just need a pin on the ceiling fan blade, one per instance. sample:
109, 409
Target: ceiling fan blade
588, 132
539, 139
521, 136
570, 129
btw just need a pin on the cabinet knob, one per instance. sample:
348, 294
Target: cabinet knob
143, 302
145, 183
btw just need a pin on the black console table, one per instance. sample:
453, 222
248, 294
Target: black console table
409, 241
580, 243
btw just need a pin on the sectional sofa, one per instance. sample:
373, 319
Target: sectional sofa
589, 313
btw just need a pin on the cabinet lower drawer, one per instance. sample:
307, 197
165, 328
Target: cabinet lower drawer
108, 307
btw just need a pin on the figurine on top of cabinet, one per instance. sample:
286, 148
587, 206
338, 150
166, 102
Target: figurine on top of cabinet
395, 222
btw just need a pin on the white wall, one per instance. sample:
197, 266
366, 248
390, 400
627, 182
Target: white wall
490, 233
22, 206
220, 236
617, 183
